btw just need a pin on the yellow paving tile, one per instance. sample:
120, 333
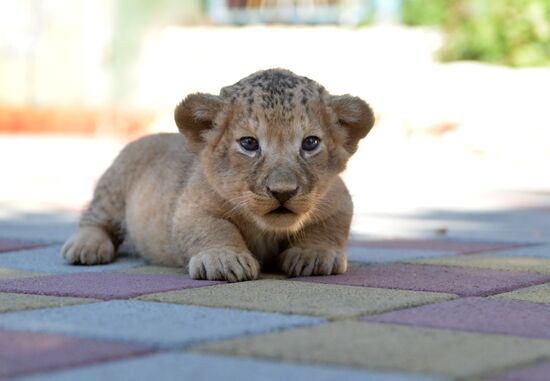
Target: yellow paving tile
331, 301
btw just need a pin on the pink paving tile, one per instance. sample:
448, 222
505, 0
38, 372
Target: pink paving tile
101, 285
457, 246
24, 353
538, 372
454, 280
9, 245
483, 315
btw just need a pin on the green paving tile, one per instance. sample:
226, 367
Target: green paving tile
12, 274
539, 265
390, 347
19, 302
331, 301
535, 294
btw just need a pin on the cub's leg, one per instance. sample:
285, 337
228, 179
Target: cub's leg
320, 250
212, 248
99, 231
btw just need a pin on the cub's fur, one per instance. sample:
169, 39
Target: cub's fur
219, 205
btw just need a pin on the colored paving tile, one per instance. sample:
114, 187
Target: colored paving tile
160, 270
26, 352
535, 294
453, 280
19, 302
538, 251
10, 245
390, 347
381, 255
539, 372
49, 260
483, 315
539, 265
13, 274
101, 285
197, 367
181, 271
329, 301
150, 323
47, 231
442, 245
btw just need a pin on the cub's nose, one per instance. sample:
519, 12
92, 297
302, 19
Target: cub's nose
282, 194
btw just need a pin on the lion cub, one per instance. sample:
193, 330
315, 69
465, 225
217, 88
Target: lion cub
252, 179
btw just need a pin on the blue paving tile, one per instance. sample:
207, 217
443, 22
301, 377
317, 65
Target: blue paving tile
381, 255
48, 260
197, 367
150, 323
44, 231
537, 251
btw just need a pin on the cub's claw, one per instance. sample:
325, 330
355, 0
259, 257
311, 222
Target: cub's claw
224, 264
299, 261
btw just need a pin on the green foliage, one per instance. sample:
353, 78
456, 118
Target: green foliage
422, 12
509, 32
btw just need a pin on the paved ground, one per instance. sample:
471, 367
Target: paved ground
443, 307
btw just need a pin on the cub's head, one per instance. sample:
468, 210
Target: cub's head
272, 143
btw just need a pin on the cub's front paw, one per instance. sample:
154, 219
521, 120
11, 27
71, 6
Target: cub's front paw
224, 264
305, 261
89, 246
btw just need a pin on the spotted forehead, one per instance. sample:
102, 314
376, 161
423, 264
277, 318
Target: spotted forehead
275, 94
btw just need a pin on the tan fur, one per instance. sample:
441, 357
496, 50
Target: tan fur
198, 200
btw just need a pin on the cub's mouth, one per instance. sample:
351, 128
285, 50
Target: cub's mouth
281, 210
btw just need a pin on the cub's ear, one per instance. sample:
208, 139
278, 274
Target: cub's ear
355, 115
195, 115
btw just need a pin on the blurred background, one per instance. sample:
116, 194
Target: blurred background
459, 89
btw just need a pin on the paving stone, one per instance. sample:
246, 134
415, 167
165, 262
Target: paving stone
531, 234
535, 294
101, 285
14, 274
503, 225
537, 251
203, 367
453, 280
441, 245
274, 276
390, 347
49, 260
482, 261
149, 269
329, 301
160, 270
45, 232
381, 255
12, 245
150, 323
19, 302
483, 315
25, 352
539, 372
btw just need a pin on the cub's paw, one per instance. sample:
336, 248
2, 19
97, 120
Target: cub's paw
89, 246
224, 264
305, 261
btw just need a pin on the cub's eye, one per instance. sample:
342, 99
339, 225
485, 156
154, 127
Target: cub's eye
310, 143
249, 143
